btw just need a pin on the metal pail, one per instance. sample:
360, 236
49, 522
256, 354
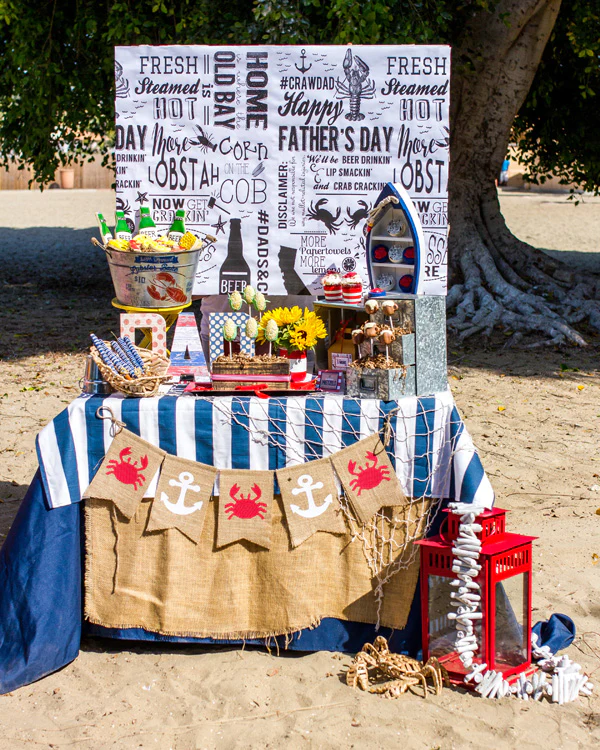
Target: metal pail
152, 280
92, 381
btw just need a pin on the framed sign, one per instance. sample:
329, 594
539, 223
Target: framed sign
281, 151
341, 360
331, 381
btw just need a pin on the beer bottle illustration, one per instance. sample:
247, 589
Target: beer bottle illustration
235, 271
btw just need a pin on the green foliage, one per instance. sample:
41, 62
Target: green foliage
557, 128
57, 87
57, 73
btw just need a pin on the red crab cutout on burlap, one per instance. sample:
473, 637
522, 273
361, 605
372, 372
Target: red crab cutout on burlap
127, 471
245, 506
370, 476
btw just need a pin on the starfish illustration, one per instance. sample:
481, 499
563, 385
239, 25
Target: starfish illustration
219, 226
141, 198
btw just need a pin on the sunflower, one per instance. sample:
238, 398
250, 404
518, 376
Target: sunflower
283, 316
305, 333
287, 316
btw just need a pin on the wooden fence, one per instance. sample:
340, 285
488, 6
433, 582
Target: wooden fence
88, 176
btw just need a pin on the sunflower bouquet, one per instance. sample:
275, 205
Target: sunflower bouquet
299, 329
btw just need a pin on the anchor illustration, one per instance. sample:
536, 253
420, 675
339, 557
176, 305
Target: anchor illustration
307, 487
185, 483
304, 68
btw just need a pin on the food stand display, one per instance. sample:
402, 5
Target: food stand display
189, 513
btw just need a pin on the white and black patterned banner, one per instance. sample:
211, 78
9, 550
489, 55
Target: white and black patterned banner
280, 152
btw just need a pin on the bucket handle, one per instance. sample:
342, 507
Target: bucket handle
101, 246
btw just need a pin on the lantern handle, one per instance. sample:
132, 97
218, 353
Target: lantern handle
444, 529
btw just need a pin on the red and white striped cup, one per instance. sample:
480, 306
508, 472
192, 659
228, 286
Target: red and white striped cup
352, 294
333, 292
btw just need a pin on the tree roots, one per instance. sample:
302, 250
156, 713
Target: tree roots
509, 284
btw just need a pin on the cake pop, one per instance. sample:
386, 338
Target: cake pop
389, 308
371, 306
386, 337
371, 332
229, 333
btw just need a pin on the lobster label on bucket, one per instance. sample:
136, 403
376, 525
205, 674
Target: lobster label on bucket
368, 478
245, 499
280, 152
128, 469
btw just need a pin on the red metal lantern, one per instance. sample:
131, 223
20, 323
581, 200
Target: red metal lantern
504, 632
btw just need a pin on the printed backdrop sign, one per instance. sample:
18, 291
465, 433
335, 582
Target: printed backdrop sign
280, 152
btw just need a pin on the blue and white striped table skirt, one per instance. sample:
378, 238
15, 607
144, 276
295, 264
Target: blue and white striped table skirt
430, 447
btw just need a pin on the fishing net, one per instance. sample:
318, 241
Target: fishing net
421, 445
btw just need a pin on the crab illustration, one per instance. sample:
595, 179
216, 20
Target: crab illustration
245, 507
127, 471
369, 476
393, 674
359, 215
322, 214
357, 86
165, 285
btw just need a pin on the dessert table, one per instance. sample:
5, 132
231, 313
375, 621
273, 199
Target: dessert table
42, 560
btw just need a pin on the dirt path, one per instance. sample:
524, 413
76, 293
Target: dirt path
534, 417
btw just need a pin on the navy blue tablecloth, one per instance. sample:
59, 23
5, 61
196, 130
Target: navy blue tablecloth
41, 601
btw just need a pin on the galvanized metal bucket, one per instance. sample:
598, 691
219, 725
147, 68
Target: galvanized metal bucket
152, 280
92, 381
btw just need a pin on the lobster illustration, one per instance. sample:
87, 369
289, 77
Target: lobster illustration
164, 286
245, 507
121, 83
316, 213
357, 87
359, 215
127, 471
369, 476
203, 140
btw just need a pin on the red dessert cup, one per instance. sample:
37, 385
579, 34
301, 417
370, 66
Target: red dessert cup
333, 292
352, 294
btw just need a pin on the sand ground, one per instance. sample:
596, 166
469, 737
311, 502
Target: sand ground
534, 417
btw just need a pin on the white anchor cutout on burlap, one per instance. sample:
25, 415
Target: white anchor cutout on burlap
179, 507
307, 487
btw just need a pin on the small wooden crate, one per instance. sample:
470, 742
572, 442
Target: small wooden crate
386, 385
230, 374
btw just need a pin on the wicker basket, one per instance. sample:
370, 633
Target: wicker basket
143, 387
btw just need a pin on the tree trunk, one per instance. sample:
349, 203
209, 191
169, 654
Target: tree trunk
504, 281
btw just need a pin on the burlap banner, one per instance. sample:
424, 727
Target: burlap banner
368, 477
182, 496
245, 499
126, 472
310, 500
